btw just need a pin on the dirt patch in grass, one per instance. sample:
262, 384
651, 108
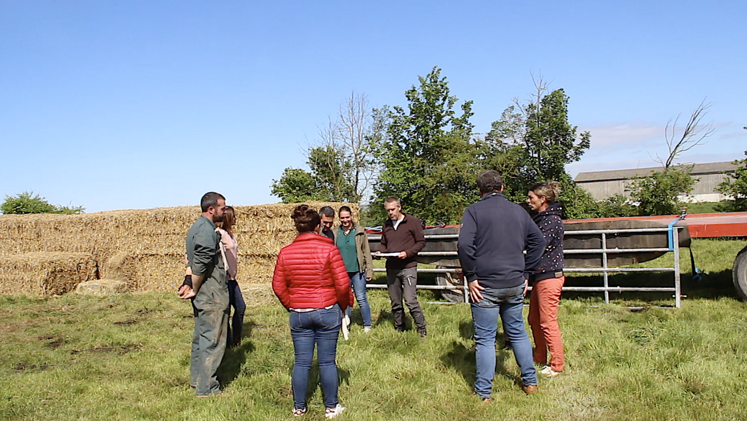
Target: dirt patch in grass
54, 341
21, 366
121, 350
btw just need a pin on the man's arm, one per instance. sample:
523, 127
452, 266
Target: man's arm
466, 245
205, 250
535, 245
383, 241
417, 235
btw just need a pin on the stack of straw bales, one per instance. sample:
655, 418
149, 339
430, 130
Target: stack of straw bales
145, 248
45, 273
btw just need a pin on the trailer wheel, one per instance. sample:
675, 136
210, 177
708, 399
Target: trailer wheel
739, 273
450, 295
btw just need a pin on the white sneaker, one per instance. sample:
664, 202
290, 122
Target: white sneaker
549, 372
298, 412
333, 412
366, 329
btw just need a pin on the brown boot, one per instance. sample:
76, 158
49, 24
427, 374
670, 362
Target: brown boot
529, 389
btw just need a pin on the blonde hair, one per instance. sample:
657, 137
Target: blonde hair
550, 190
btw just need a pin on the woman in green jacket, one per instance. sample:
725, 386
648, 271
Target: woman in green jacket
351, 239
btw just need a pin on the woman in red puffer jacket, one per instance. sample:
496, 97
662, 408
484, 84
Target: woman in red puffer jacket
312, 283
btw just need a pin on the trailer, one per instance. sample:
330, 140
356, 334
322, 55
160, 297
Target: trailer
602, 245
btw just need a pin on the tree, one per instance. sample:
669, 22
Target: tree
353, 136
692, 135
295, 185
659, 193
735, 188
426, 156
28, 203
616, 206
533, 142
341, 164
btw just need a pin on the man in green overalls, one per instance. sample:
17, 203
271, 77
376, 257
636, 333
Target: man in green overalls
209, 293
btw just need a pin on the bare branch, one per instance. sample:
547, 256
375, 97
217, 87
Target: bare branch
693, 134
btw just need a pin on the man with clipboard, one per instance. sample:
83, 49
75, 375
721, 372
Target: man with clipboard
401, 240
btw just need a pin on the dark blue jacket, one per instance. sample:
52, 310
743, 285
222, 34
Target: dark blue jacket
494, 235
551, 263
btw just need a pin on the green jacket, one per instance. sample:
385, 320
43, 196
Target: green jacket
365, 263
203, 252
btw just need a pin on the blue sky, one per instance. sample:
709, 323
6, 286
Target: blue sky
142, 104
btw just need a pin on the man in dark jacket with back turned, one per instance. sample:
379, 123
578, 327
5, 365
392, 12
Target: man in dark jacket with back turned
494, 235
402, 234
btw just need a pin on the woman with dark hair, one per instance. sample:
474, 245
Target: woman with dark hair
235, 298
312, 284
548, 279
352, 242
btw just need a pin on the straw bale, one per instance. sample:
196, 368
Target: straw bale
145, 248
45, 273
101, 287
258, 294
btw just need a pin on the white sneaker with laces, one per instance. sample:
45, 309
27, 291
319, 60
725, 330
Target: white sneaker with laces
333, 412
549, 372
297, 412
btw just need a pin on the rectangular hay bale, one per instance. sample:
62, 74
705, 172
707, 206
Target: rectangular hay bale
45, 273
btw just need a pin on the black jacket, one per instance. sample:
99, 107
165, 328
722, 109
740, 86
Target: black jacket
494, 235
551, 262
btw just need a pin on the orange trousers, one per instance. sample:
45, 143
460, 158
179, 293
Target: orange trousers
543, 318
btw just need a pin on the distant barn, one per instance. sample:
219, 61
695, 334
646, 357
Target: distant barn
604, 184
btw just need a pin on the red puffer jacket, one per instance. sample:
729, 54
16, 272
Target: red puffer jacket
310, 273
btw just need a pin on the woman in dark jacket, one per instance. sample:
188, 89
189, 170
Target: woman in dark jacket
547, 281
312, 284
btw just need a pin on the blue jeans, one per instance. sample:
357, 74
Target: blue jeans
321, 328
236, 300
358, 282
508, 303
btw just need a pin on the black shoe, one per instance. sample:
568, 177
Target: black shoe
422, 332
399, 328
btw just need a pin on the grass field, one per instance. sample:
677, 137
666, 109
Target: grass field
126, 357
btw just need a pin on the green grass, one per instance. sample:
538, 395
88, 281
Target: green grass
126, 357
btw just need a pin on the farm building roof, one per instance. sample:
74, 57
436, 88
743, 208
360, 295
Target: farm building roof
698, 169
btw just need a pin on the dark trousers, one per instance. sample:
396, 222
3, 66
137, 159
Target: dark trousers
236, 299
404, 282
209, 339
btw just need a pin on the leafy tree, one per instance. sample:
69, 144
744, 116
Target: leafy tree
295, 185
330, 171
616, 206
577, 202
326, 181
426, 157
28, 203
659, 193
533, 142
735, 188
